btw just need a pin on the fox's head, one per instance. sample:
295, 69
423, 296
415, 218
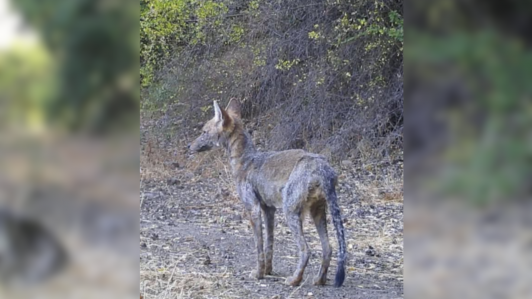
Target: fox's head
216, 131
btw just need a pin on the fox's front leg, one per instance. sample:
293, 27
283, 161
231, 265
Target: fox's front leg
269, 221
256, 225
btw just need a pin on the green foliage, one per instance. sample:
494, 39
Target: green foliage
168, 25
491, 159
286, 64
162, 24
25, 85
379, 21
92, 44
237, 32
378, 27
315, 34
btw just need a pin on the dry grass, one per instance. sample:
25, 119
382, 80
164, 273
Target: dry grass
177, 282
175, 278
152, 161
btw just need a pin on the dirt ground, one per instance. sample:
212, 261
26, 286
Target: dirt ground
195, 241
82, 192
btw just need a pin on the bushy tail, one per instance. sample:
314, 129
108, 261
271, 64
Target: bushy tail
338, 225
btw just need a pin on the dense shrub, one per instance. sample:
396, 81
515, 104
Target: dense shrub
325, 76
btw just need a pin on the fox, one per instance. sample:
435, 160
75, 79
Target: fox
296, 181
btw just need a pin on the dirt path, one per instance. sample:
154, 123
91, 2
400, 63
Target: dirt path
195, 243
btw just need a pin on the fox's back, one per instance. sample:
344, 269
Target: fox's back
268, 172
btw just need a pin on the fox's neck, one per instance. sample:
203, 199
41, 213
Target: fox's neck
240, 147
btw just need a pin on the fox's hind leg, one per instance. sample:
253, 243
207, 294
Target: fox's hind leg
319, 215
294, 195
295, 224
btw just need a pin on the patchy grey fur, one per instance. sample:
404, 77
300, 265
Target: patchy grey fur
295, 181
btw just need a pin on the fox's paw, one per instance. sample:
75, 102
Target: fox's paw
256, 274
293, 281
319, 281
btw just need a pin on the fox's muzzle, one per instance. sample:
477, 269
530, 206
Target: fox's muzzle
203, 148
199, 146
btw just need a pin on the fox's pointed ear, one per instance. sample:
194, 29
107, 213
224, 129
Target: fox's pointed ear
217, 112
233, 107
